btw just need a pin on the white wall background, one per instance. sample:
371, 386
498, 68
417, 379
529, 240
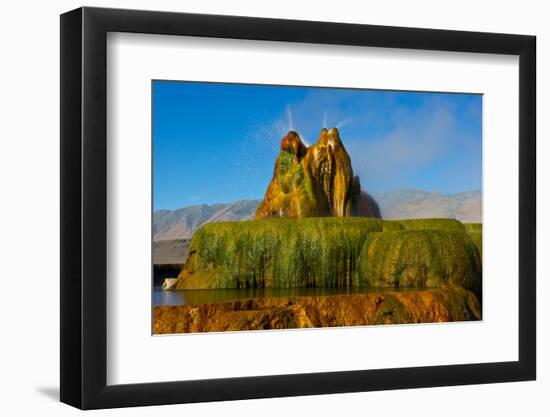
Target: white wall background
29, 210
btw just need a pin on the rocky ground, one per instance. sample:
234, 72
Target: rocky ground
398, 307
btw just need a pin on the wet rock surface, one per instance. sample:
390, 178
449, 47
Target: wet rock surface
399, 307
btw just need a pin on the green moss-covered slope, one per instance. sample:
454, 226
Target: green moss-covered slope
432, 224
277, 253
420, 259
332, 252
473, 227
475, 231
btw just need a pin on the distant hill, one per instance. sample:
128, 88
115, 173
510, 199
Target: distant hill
182, 223
397, 204
417, 204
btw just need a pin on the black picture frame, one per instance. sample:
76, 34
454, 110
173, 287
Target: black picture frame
84, 207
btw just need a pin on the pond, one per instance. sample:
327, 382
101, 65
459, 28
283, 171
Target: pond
163, 298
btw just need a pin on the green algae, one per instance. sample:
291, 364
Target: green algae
285, 162
312, 252
420, 259
477, 237
473, 227
475, 230
432, 224
333, 252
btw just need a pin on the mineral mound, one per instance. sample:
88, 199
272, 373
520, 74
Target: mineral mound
334, 252
315, 182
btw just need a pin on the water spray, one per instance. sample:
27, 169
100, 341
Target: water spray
289, 114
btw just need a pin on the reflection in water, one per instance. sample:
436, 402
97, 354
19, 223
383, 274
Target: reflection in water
161, 297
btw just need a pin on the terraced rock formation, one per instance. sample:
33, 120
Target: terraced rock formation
334, 252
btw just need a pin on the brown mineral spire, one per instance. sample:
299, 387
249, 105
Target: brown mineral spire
315, 182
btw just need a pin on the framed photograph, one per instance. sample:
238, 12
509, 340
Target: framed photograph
258, 208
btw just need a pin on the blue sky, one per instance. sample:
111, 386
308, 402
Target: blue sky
217, 143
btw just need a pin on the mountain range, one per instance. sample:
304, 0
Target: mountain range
418, 204
182, 223
396, 204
